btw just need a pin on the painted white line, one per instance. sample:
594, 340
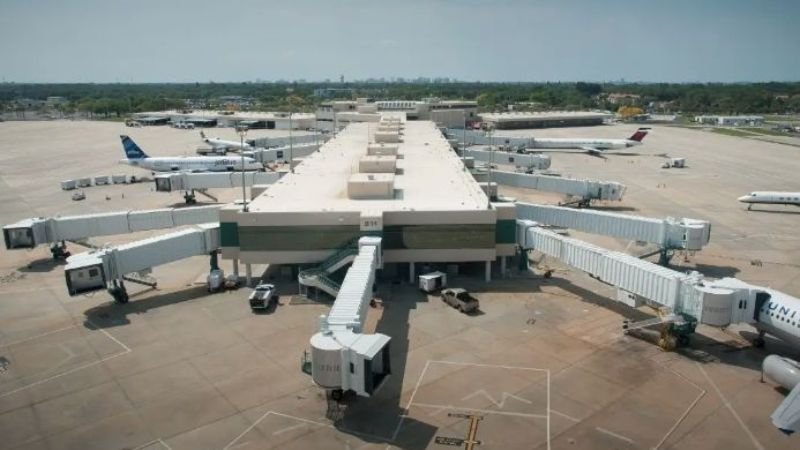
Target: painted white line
503, 398
490, 366
37, 336
548, 409
688, 409
246, 430
730, 408
566, 416
289, 428
233, 444
612, 434
484, 411
410, 401
159, 441
73, 370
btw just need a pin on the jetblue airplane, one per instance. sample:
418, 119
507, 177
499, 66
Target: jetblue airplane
770, 198
594, 147
135, 156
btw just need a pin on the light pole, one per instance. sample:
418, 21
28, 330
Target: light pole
242, 130
291, 160
464, 140
489, 128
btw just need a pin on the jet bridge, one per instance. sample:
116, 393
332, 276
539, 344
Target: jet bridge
106, 268
29, 233
684, 299
528, 161
190, 182
668, 234
268, 155
342, 357
284, 141
581, 189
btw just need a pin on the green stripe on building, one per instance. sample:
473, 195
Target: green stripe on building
229, 234
506, 232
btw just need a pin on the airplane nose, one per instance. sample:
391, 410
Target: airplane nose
743, 198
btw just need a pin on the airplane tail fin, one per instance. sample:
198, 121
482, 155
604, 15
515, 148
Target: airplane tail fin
132, 151
639, 135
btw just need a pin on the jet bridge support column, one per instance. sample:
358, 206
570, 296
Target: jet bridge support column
411, 272
248, 273
236, 268
488, 275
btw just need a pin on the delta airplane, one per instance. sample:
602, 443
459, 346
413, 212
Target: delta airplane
222, 145
136, 157
770, 198
594, 147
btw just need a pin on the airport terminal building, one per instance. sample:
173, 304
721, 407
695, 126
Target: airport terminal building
394, 179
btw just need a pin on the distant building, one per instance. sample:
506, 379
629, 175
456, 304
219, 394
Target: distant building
448, 113
548, 119
621, 98
206, 118
53, 102
730, 121
333, 92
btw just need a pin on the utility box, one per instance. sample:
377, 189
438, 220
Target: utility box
68, 185
377, 164
102, 180
382, 149
84, 182
362, 186
432, 282
628, 298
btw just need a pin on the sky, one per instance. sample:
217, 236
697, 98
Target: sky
470, 40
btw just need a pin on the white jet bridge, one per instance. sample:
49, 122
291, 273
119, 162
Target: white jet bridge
106, 268
668, 234
343, 358
526, 161
190, 182
29, 233
268, 155
683, 299
580, 191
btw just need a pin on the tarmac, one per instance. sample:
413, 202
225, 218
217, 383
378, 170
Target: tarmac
544, 365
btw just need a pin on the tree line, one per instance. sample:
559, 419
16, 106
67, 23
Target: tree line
116, 99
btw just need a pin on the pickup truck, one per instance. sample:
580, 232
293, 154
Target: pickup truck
263, 296
460, 299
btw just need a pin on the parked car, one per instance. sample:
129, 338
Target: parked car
78, 196
460, 299
263, 296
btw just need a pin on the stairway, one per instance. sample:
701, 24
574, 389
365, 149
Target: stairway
318, 277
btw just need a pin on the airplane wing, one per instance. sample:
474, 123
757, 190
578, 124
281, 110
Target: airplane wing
787, 416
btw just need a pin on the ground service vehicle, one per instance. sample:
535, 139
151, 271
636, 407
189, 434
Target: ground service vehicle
460, 299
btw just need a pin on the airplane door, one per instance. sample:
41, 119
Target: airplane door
761, 299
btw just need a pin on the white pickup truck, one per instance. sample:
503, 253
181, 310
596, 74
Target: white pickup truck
263, 296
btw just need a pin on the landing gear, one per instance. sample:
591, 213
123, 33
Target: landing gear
759, 341
189, 197
118, 291
59, 250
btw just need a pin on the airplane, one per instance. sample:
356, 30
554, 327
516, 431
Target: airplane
779, 316
135, 156
222, 145
785, 372
593, 147
770, 198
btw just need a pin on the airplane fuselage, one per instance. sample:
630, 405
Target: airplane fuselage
780, 317
218, 143
193, 164
600, 144
771, 198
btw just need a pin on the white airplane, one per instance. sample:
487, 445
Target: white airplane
222, 145
779, 316
594, 147
135, 156
771, 198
